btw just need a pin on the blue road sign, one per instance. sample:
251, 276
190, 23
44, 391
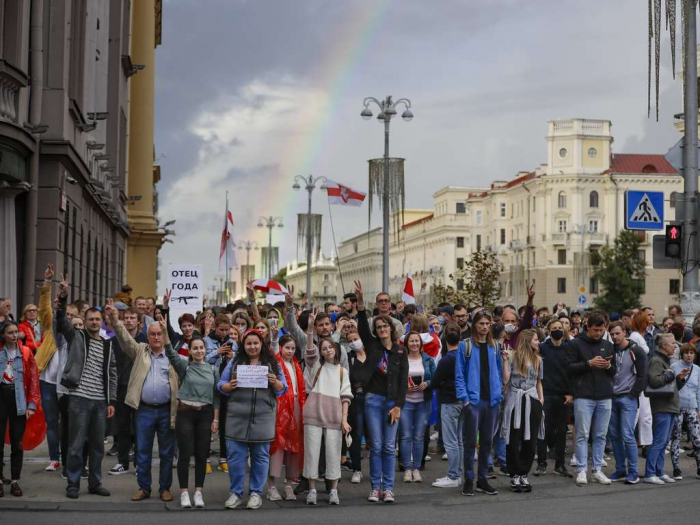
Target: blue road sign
582, 299
644, 210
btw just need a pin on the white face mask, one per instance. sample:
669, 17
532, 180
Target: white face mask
356, 345
509, 328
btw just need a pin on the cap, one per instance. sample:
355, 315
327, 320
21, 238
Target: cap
447, 309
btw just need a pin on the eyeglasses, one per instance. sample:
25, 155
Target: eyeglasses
383, 301
381, 326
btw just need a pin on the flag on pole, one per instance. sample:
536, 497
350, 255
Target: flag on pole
227, 255
343, 195
408, 296
269, 287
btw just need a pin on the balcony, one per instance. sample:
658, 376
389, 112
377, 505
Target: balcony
11, 81
597, 238
560, 238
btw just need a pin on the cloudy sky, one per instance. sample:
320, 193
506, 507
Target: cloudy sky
251, 93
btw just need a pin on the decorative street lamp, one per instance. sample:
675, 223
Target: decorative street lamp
387, 108
269, 223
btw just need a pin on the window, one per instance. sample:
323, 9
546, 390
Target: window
325, 290
66, 244
561, 256
642, 255
503, 236
460, 242
593, 226
674, 286
561, 285
325, 276
460, 284
73, 252
534, 203
478, 217
562, 226
562, 199
640, 285
460, 263
461, 208
593, 199
503, 209
593, 285
592, 153
563, 152
81, 265
88, 267
672, 199
478, 242
534, 259
354, 247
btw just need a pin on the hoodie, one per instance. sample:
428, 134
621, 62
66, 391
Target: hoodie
588, 382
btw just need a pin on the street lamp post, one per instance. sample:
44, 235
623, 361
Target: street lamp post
247, 246
269, 223
310, 186
387, 108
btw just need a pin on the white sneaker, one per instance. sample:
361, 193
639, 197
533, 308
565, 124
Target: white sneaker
428, 458
198, 500
408, 476
444, 456
333, 499
233, 501
604, 463
598, 477
273, 494
52, 466
574, 461
654, 480
289, 494
185, 500
446, 483
434, 436
581, 478
417, 477
356, 477
667, 479
254, 501
311, 498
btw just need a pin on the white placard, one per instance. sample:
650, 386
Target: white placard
273, 298
185, 282
252, 376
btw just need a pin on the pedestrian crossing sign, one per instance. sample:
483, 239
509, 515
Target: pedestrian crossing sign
644, 210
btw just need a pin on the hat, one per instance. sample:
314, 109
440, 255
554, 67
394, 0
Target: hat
614, 316
120, 306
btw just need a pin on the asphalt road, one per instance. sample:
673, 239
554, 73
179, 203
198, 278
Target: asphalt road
554, 500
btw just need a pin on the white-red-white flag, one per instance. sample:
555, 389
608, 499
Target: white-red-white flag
227, 255
343, 195
268, 286
408, 296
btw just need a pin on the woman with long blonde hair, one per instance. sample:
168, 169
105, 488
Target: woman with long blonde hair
522, 415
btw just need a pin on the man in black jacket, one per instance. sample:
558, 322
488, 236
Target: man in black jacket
592, 369
628, 384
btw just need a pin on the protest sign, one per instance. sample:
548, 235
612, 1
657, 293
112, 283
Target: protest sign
252, 376
187, 291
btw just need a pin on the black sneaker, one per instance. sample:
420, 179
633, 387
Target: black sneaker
697, 474
15, 489
72, 493
302, 487
561, 471
99, 491
483, 486
113, 451
503, 471
492, 473
541, 469
84, 474
468, 487
515, 484
677, 474
64, 474
525, 484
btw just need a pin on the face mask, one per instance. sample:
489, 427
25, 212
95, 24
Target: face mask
333, 316
356, 345
557, 334
509, 328
452, 338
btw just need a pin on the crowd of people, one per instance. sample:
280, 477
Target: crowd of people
294, 392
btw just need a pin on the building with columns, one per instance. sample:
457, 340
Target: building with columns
325, 283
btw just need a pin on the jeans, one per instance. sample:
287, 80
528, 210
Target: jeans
624, 442
662, 427
17, 424
356, 419
499, 448
49, 402
556, 413
237, 456
452, 419
382, 438
478, 419
149, 422
193, 429
87, 419
414, 420
585, 412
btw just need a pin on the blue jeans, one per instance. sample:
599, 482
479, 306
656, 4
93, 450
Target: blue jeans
237, 456
479, 420
587, 411
452, 419
414, 420
149, 422
87, 419
624, 442
49, 402
662, 428
382, 439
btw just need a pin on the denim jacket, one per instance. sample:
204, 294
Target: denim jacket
19, 373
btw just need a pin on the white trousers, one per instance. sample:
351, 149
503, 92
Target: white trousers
644, 421
312, 451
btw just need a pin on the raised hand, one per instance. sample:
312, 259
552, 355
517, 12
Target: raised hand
49, 273
358, 292
63, 286
166, 298
530, 292
111, 311
208, 324
250, 290
289, 297
312, 318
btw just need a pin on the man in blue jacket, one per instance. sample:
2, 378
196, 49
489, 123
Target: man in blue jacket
479, 387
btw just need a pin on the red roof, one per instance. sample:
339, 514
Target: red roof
418, 221
633, 163
520, 179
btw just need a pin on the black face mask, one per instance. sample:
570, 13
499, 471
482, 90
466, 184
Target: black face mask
557, 334
452, 338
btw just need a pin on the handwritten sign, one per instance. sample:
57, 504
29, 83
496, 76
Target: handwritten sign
252, 376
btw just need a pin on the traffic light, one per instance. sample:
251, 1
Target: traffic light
674, 241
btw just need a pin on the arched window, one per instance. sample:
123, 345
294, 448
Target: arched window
562, 199
593, 199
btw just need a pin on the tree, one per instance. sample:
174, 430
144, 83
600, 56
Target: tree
619, 271
477, 283
281, 276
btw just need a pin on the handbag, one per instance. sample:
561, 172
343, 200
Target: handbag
666, 390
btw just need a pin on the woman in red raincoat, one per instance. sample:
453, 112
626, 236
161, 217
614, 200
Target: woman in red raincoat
288, 447
20, 396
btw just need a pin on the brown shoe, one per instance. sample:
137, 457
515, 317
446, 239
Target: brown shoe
140, 495
166, 496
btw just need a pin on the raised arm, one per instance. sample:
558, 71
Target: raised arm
63, 325
311, 353
290, 321
253, 305
127, 343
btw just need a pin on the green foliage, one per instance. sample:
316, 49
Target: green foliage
281, 276
618, 271
479, 279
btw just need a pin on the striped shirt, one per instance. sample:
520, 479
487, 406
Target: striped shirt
92, 381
